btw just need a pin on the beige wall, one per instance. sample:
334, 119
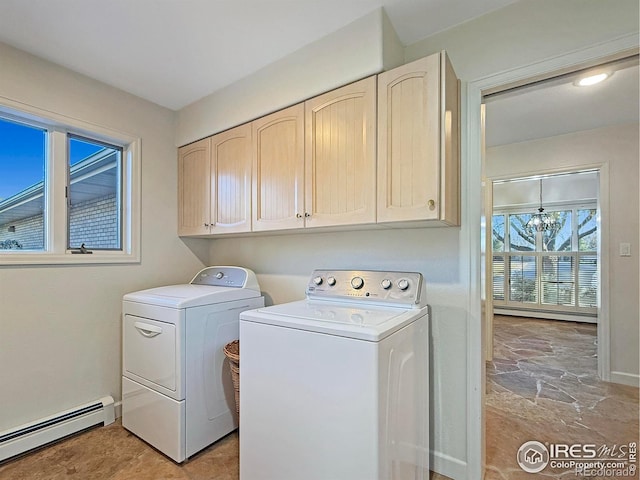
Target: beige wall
60, 325
617, 148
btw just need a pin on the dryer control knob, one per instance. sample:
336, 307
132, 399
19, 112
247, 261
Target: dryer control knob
219, 275
357, 283
386, 284
403, 284
331, 281
317, 280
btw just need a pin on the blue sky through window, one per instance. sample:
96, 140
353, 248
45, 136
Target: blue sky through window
22, 156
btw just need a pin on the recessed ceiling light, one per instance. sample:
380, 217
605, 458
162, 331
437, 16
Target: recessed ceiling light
591, 79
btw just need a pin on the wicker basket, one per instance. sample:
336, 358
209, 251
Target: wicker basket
232, 352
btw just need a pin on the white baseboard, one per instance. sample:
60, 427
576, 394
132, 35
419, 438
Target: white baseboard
118, 409
448, 466
630, 379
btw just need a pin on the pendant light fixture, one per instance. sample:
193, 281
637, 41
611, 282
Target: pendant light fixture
541, 221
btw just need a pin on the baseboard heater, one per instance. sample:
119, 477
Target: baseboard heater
24, 438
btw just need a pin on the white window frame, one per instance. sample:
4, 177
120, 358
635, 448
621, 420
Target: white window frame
507, 253
55, 181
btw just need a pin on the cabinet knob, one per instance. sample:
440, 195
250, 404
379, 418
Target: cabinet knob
298, 215
432, 204
307, 215
206, 225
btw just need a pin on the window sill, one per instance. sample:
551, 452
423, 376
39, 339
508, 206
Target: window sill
39, 258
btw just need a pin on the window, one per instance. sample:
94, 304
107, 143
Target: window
550, 270
22, 170
67, 189
94, 208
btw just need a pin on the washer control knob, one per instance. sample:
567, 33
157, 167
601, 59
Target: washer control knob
219, 275
357, 283
331, 281
403, 284
386, 284
317, 280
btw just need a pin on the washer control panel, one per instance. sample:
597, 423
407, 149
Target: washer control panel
367, 285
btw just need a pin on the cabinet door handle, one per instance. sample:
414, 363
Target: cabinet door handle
298, 215
306, 215
206, 225
431, 204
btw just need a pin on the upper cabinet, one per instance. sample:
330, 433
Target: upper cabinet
214, 184
340, 164
278, 170
231, 180
194, 188
315, 164
418, 144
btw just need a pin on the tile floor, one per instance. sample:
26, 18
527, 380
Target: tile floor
112, 453
542, 385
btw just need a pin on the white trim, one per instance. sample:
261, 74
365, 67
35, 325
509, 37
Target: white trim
445, 465
563, 316
631, 379
604, 328
472, 158
56, 252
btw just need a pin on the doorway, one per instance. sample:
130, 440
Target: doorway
535, 390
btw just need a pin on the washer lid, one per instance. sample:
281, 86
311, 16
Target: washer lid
189, 295
370, 323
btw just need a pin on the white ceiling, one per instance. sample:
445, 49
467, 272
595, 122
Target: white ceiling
558, 107
174, 52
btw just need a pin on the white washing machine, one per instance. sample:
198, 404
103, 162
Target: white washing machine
336, 386
177, 393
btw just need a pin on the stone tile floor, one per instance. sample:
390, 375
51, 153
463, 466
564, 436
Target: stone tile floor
542, 385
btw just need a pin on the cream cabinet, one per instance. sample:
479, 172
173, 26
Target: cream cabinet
194, 188
340, 162
278, 170
418, 144
231, 181
214, 184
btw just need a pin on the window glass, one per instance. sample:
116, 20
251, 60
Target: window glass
94, 194
588, 281
498, 231
558, 239
519, 239
22, 189
557, 280
498, 277
523, 286
587, 230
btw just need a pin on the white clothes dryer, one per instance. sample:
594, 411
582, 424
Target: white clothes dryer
177, 393
336, 386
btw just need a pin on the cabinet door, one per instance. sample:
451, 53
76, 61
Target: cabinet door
409, 142
278, 170
231, 185
340, 170
417, 142
194, 188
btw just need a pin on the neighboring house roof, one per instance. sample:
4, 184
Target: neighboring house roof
92, 177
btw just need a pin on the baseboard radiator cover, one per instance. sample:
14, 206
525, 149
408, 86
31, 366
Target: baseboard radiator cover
24, 438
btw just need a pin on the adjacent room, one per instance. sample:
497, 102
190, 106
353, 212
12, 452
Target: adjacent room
421, 231
548, 340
